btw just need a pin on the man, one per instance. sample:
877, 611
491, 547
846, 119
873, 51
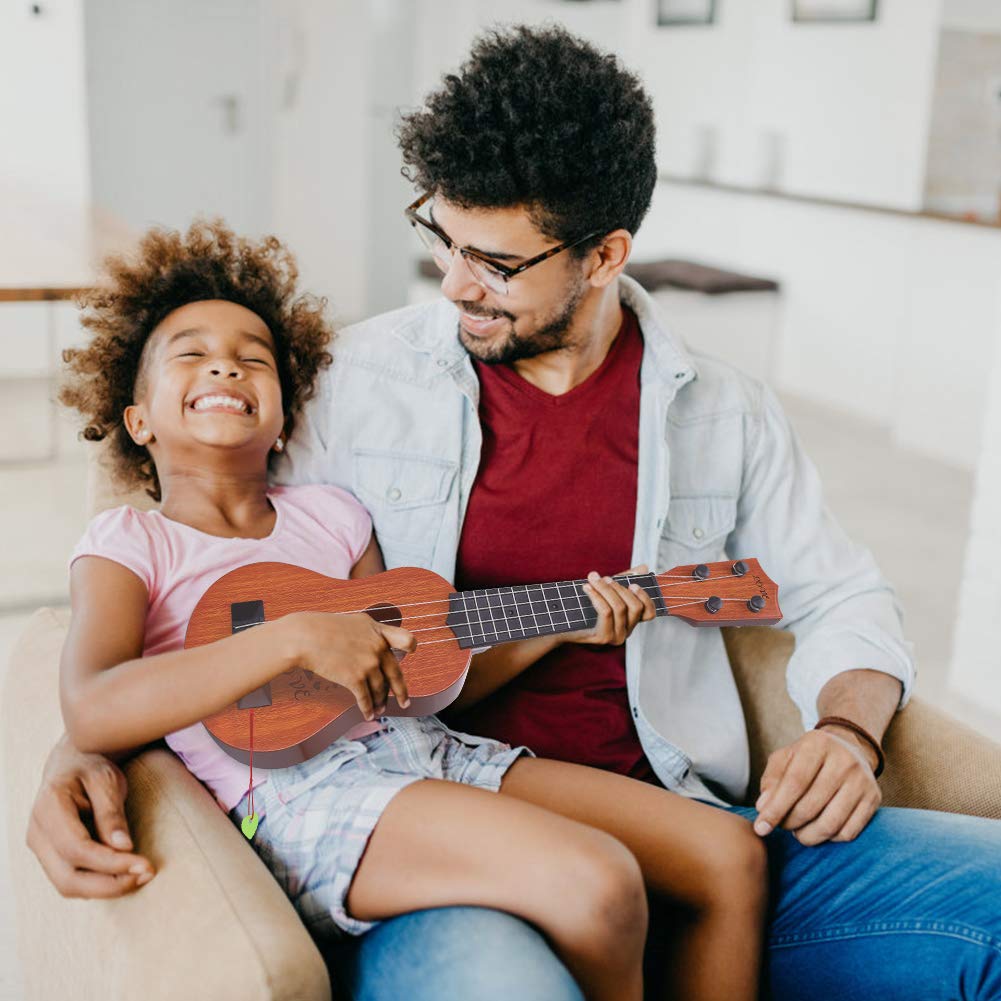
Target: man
541, 420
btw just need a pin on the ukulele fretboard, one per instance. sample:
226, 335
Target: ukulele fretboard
495, 615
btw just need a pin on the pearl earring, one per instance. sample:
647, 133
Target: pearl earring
143, 437
279, 445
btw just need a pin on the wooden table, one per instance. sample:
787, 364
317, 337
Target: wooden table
49, 253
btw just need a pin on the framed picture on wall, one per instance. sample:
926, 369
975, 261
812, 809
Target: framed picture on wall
679, 12
828, 11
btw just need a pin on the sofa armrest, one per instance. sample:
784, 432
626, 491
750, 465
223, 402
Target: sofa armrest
213, 923
933, 762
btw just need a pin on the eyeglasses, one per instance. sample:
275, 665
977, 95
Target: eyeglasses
489, 274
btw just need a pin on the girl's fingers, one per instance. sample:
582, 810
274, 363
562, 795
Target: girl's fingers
604, 624
363, 697
607, 588
646, 600
400, 639
378, 685
394, 677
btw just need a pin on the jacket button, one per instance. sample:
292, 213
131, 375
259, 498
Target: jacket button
394, 493
442, 362
698, 533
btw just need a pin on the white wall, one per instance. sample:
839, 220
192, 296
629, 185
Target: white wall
976, 676
889, 318
848, 104
971, 15
43, 146
322, 107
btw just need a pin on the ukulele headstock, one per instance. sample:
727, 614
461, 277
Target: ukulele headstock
727, 593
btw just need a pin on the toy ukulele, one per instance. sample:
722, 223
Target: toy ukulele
298, 714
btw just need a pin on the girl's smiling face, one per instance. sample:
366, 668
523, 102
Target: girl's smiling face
208, 379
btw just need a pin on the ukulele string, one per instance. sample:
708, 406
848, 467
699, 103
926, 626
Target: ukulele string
570, 621
655, 592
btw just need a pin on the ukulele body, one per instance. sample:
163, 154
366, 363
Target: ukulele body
298, 714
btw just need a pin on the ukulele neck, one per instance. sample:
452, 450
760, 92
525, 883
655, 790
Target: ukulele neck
492, 615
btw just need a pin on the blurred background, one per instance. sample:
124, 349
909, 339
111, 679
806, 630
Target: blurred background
835, 166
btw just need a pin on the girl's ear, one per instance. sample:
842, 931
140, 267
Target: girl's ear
134, 418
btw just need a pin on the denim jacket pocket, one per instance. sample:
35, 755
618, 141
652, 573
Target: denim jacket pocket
406, 494
697, 527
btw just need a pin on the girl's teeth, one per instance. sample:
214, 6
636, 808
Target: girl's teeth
220, 401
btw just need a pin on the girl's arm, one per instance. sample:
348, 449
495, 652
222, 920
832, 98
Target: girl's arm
619, 610
114, 699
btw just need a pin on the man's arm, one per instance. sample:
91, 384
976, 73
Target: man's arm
851, 659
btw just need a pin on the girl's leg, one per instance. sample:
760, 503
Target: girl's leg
688, 851
439, 844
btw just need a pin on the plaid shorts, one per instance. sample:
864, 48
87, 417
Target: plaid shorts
316, 817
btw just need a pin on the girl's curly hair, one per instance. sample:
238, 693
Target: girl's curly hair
170, 270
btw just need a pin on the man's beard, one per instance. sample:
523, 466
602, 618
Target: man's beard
553, 335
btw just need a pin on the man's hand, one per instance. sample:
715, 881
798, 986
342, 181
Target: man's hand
821, 787
619, 609
75, 784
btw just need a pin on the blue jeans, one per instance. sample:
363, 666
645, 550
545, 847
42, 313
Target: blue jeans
909, 911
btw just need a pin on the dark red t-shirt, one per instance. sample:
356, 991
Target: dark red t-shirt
554, 498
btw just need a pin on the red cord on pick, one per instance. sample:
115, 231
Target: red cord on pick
251, 762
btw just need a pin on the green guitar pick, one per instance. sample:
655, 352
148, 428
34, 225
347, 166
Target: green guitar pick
249, 825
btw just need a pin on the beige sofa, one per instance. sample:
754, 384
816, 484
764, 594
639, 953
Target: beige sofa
214, 924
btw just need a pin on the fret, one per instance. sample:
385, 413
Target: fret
498, 619
516, 606
526, 611
568, 596
557, 610
490, 616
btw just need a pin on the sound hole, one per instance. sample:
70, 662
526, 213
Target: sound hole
388, 615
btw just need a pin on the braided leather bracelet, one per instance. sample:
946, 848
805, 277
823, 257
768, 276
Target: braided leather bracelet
865, 735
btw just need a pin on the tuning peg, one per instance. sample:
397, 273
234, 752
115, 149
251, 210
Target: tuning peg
714, 604
756, 603
701, 572
739, 568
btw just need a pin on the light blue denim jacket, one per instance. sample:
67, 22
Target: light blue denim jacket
721, 475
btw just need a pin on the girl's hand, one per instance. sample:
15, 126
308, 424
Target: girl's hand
619, 609
355, 651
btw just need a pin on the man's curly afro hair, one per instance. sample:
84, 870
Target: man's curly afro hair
537, 117
170, 270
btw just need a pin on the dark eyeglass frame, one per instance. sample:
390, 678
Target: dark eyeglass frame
505, 270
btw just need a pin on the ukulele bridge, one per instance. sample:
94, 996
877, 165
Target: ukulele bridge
244, 615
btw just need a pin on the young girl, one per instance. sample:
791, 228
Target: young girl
202, 354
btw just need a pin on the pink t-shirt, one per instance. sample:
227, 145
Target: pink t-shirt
320, 528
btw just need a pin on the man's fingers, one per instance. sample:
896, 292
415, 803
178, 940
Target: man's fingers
58, 830
831, 819
821, 792
73, 881
775, 803
106, 789
775, 768
857, 822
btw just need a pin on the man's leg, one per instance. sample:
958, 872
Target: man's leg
467, 953
910, 910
